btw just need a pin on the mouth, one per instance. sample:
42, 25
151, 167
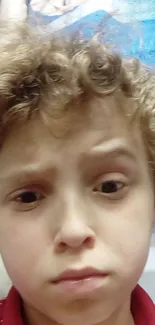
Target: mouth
79, 281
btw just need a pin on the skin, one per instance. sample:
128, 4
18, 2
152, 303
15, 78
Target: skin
72, 222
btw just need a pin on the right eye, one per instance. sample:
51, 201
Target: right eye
28, 197
27, 200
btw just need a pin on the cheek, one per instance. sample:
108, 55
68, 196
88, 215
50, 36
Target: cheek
22, 245
126, 230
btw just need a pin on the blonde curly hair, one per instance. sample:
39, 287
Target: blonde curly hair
38, 69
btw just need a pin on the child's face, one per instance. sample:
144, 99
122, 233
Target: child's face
89, 204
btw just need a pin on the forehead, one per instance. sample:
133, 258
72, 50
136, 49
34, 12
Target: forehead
75, 133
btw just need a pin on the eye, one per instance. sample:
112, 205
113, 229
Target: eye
27, 200
109, 187
28, 197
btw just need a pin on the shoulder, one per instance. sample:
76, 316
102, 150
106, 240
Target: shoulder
10, 309
142, 306
2, 306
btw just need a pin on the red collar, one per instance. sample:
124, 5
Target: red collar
142, 307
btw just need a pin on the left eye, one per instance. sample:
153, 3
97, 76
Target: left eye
109, 187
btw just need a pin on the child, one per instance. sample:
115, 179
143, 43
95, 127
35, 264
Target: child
76, 181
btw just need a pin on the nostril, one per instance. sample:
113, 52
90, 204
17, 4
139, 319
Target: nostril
62, 245
89, 242
74, 241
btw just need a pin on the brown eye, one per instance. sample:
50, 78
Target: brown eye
109, 187
28, 197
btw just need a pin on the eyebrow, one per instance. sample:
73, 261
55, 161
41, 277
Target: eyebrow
113, 148
32, 172
26, 173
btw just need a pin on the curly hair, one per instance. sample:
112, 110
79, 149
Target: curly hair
38, 68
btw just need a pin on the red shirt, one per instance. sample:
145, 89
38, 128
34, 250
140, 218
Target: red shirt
142, 307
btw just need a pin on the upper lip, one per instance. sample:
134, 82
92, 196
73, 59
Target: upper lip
76, 275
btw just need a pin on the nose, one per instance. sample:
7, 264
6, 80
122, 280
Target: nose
74, 232
74, 235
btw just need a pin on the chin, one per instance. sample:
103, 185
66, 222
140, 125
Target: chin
83, 312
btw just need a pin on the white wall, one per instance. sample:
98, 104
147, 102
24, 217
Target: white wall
147, 280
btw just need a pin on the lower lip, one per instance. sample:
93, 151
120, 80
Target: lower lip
80, 286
